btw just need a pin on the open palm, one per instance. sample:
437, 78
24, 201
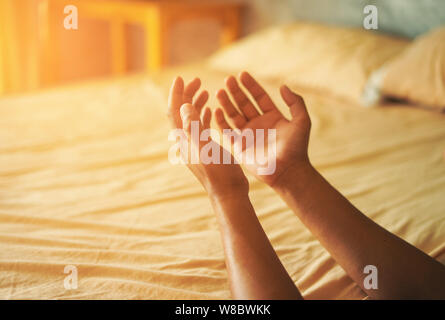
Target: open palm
183, 109
292, 136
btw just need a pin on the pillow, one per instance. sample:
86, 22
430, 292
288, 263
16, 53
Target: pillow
333, 59
418, 74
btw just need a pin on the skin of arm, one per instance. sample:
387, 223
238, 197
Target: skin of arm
254, 270
353, 240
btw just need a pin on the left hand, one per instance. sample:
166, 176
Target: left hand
219, 180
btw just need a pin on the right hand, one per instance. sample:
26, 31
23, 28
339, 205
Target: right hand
292, 136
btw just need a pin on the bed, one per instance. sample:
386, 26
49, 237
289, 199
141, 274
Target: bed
85, 181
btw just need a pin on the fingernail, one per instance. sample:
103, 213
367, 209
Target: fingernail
287, 89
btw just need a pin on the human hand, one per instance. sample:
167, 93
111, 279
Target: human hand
219, 180
292, 136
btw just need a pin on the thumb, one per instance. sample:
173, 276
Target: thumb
294, 101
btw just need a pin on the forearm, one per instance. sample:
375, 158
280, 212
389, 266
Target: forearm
255, 271
355, 241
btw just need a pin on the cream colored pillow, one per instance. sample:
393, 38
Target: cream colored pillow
418, 74
332, 59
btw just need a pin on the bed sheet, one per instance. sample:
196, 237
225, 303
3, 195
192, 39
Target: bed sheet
85, 181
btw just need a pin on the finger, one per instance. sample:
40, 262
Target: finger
294, 101
258, 93
189, 116
175, 101
191, 89
224, 125
244, 104
206, 118
201, 100
192, 128
221, 120
238, 120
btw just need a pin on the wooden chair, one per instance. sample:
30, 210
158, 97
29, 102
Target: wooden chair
156, 18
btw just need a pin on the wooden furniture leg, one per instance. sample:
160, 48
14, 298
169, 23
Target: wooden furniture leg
155, 40
118, 47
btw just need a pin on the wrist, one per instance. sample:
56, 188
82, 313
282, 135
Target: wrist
295, 177
229, 194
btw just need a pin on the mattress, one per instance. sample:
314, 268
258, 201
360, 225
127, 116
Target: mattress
85, 181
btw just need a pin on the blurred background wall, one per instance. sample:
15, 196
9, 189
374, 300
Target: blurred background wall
85, 53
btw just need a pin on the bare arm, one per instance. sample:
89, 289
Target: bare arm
353, 240
255, 271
